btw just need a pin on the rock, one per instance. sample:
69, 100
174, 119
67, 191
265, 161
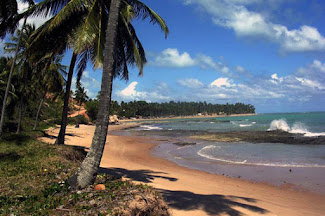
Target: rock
113, 119
99, 187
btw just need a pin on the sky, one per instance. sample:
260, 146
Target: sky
268, 53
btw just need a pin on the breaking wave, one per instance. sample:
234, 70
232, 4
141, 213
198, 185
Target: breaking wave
296, 128
206, 155
204, 152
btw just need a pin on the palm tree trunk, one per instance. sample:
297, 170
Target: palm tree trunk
39, 111
21, 104
89, 167
9, 79
64, 120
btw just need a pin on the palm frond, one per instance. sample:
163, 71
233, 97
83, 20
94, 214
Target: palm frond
82, 64
143, 11
72, 7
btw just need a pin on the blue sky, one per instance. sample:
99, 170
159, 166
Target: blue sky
269, 53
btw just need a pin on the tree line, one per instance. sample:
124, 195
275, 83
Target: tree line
166, 109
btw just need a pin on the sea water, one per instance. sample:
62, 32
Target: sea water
270, 162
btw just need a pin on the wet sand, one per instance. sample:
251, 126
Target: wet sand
188, 191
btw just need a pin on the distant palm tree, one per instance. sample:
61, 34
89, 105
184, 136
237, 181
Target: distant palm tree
6, 25
5, 63
89, 167
50, 79
24, 68
80, 96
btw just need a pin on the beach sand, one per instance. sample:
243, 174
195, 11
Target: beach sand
192, 192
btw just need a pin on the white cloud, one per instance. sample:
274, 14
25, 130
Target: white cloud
317, 65
310, 83
172, 58
130, 93
240, 69
190, 83
275, 79
234, 15
222, 82
306, 84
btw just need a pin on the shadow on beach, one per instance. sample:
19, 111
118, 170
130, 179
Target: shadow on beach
212, 204
145, 176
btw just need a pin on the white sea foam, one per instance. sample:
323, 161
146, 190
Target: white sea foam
297, 128
206, 155
247, 125
234, 123
279, 124
203, 153
150, 127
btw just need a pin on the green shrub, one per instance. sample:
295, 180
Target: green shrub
92, 107
79, 119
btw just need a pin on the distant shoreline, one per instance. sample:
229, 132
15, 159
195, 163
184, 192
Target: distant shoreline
186, 117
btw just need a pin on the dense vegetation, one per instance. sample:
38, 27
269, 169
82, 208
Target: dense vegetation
144, 109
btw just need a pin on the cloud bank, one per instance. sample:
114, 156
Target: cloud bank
235, 15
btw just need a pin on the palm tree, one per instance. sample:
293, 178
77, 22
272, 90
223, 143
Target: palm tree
4, 27
89, 167
9, 16
88, 37
50, 79
5, 63
80, 96
24, 67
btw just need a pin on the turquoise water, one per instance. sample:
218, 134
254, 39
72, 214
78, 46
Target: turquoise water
302, 165
307, 123
244, 153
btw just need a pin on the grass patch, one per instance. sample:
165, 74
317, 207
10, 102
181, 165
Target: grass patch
33, 178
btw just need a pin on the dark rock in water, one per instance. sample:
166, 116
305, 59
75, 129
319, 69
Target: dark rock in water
184, 143
290, 170
262, 137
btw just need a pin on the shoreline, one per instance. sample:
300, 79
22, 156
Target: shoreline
193, 192
185, 117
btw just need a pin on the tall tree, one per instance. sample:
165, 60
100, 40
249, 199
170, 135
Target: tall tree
89, 167
4, 29
86, 35
50, 79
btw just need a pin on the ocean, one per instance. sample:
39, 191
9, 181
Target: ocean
195, 143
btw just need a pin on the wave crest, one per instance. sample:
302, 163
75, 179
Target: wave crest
297, 128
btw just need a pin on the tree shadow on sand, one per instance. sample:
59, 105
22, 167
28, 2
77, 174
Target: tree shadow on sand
212, 204
145, 176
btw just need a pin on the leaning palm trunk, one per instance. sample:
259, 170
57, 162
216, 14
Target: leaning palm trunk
39, 111
4, 104
21, 105
89, 167
64, 120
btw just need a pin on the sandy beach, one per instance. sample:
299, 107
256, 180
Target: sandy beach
192, 192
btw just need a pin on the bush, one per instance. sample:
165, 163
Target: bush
79, 119
92, 107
